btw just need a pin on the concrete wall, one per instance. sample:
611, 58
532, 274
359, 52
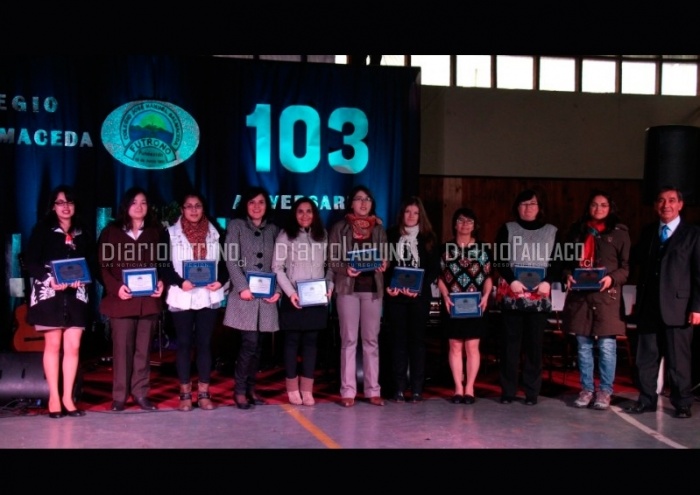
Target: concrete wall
517, 133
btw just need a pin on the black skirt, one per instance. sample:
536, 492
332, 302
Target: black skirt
464, 328
308, 318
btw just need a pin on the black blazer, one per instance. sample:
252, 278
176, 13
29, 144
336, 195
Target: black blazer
679, 277
429, 261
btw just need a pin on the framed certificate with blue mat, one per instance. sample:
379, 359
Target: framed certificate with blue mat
529, 276
465, 304
71, 270
587, 278
199, 272
140, 281
312, 292
407, 278
261, 284
364, 260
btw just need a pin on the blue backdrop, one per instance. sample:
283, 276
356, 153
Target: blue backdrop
295, 128
223, 124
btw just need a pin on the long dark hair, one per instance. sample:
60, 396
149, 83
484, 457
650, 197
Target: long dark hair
123, 220
50, 217
425, 228
250, 193
610, 221
291, 226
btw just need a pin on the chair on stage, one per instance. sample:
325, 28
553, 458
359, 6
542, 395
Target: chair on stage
629, 297
559, 341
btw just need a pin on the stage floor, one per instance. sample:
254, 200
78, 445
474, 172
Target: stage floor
434, 424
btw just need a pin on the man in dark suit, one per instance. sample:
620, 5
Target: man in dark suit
668, 303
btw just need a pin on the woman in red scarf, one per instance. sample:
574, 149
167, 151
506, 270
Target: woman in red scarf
358, 294
594, 315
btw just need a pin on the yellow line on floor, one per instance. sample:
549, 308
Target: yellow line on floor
310, 427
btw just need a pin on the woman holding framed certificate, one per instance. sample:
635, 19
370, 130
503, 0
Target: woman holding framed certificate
196, 279
525, 245
413, 249
127, 252
595, 315
465, 267
250, 244
300, 266
359, 293
59, 307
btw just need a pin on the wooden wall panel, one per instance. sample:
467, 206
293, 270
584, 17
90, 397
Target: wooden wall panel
491, 198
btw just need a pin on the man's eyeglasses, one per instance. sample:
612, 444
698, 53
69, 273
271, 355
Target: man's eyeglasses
193, 207
363, 200
532, 205
64, 203
465, 220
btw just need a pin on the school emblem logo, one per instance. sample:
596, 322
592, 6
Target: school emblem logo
150, 134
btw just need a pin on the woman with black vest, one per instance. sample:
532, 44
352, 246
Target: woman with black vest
524, 252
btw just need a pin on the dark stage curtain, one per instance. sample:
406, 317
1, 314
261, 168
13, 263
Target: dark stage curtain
53, 109
65, 95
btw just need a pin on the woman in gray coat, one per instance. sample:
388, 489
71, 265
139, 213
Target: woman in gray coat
250, 243
595, 316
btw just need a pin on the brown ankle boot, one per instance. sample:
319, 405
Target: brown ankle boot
293, 391
203, 397
307, 388
185, 397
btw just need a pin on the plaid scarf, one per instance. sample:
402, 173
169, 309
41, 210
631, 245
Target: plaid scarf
196, 233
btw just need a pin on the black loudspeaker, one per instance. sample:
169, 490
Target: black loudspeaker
672, 157
22, 378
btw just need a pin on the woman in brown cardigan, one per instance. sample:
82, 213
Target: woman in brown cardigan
358, 294
130, 241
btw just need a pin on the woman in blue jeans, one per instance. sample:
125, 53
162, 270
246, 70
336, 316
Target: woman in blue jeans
595, 316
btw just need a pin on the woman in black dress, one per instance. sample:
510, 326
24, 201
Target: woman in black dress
465, 267
59, 311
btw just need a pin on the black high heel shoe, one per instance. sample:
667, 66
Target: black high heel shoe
56, 414
75, 413
241, 401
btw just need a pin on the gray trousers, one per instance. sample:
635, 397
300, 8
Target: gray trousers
359, 314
